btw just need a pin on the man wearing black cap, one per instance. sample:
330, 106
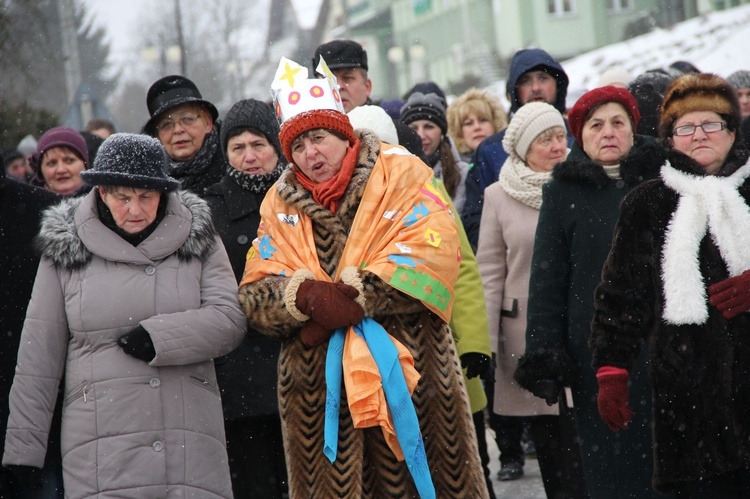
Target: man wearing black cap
347, 60
185, 124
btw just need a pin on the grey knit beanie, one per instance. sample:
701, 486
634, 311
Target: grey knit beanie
529, 121
739, 79
430, 107
255, 116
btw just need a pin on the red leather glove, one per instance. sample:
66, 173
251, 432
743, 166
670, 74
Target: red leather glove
329, 304
313, 334
613, 397
731, 296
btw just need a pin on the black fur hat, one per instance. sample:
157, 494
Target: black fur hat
131, 160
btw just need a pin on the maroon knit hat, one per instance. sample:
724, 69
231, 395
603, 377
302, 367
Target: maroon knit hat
595, 98
310, 120
59, 137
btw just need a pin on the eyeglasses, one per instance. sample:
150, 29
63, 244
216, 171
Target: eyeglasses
185, 121
710, 127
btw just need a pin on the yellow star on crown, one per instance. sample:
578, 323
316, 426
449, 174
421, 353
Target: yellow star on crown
289, 73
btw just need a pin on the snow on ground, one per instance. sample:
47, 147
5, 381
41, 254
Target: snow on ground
715, 42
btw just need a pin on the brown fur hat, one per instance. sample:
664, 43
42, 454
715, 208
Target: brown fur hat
699, 92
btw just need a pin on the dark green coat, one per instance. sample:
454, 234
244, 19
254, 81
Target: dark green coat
579, 211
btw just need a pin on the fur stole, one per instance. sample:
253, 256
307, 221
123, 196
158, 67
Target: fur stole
707, 203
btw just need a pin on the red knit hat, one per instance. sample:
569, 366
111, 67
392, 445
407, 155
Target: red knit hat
592, 99
310, 120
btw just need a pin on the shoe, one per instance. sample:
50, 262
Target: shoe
529, 449
510, 471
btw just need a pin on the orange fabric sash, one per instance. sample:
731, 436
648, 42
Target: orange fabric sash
402, 232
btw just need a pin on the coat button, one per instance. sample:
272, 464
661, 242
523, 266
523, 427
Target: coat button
242, 239
150, 270
154, 382
158, 446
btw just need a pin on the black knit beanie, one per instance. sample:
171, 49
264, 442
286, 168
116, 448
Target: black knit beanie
253, 115
430, 107
131, 160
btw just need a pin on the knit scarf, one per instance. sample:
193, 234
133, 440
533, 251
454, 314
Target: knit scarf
190, 172
522, 183
328, 193
256, 184
712, 204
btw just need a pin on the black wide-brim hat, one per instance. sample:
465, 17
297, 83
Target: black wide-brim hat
172, 91
131, 160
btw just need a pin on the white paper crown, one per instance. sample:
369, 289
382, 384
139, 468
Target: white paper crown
293, 93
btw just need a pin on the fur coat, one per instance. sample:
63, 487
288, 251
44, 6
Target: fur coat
573, 237
699, 373
365, 466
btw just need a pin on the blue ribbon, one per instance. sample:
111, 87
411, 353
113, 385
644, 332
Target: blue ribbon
397, 396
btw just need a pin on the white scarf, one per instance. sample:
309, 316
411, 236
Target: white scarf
706, 203
522, 183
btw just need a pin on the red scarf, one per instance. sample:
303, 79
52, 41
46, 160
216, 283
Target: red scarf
328, 193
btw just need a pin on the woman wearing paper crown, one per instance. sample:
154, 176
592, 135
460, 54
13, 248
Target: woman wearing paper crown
353, 271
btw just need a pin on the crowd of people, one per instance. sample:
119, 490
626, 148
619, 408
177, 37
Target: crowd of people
326, 296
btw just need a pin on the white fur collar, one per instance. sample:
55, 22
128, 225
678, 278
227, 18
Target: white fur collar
707, 203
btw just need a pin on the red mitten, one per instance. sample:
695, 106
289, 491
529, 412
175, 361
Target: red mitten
731, 296
329, 304
613, 397
313, 334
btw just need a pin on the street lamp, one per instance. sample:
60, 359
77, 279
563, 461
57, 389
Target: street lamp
417, 54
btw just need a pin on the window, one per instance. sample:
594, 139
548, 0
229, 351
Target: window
619, 5
561, 7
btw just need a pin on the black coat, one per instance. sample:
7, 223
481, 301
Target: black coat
21, 206
700, 374
247, 376
574, 234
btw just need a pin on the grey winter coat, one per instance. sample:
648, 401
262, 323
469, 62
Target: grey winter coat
130, 428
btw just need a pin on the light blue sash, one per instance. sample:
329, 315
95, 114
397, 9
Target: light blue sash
397, 397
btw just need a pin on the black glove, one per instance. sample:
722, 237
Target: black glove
547, 389
477, 364
27, 477
138, 344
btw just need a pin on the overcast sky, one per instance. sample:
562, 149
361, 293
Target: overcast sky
119, 19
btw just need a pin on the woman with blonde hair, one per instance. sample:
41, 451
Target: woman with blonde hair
472, 117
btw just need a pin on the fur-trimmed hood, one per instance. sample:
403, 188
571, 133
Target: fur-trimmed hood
642, 162
188, 218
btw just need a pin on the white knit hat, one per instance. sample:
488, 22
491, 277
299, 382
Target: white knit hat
376, 119
529, 121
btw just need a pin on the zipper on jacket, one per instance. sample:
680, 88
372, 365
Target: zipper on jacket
81, 391
201, 381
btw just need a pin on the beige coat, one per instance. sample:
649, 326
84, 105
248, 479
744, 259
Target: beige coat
131, 429
506, 243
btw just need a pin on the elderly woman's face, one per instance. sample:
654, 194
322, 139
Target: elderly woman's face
251, 153
133, 209
61, 169
708, 149
608, 134
319, 154
549, 148
430, 134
